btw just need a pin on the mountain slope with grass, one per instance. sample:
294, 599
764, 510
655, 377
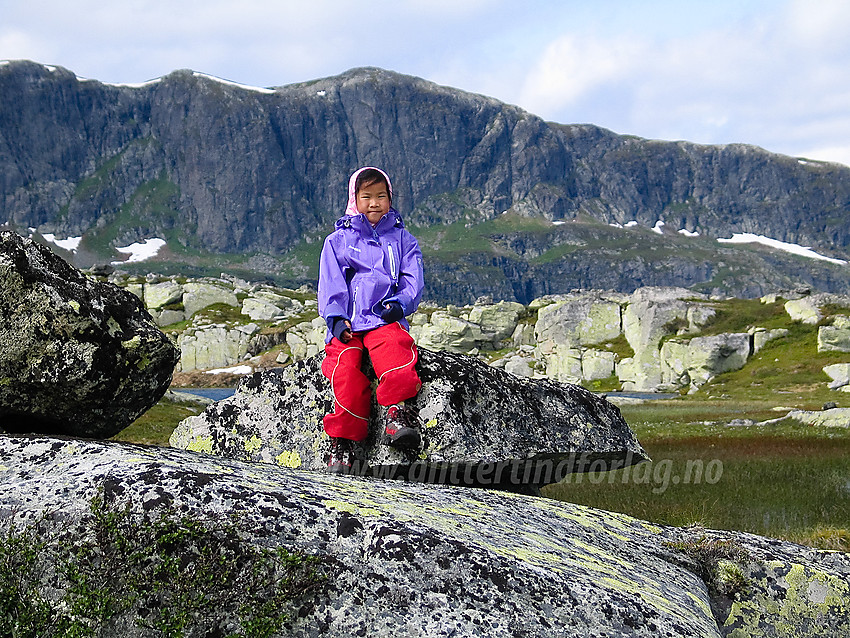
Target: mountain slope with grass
249, 180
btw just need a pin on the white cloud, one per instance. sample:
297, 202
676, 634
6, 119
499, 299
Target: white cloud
778, 79
572, 66
19, 44
819, 25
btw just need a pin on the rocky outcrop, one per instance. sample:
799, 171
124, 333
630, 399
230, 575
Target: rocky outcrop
695, 362
480, 426
566, 327
415, 559
207, 345
804, 310
830, 418
224, 169
835, 338
77, 357
839, 373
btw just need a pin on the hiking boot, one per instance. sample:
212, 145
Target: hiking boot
341, 458
400, 431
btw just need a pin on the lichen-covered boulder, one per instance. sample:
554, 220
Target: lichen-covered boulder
804, 310
584, 320
204, 346
162, 294
198, 295
840, 375
762, 336
835, 338
407, 559
698, 360
480, 425
77, 357
497, 320
832, 418
446, 331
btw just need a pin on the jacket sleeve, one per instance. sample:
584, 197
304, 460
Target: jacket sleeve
411, 278
334, 296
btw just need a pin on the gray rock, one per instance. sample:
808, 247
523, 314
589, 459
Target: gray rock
198, 295
698, 360
761, 336
835, 338
519, 366
523, 335
168, 317
833, 418
207, 347
664, 294
162, 294
497, 321
804, 310
597, 364
77, 357
407, 559
564, 327
481, 425
307, 338
583, 321
261, 309
645, 323
447, 331
840, 375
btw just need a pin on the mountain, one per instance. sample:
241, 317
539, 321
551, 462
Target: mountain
249, 181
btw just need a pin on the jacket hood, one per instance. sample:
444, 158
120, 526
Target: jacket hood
349, 220
351, 209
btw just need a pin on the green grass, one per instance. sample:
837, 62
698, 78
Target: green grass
155, 426
736, 315
171, 575
787, 370
785, 481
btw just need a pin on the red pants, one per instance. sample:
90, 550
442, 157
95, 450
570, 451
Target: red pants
393, 356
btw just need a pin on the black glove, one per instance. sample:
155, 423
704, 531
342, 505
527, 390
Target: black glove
391, 312
341, 329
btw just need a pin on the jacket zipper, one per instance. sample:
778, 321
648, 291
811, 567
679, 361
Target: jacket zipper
393, 273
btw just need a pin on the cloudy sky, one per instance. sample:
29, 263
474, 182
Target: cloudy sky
775, 73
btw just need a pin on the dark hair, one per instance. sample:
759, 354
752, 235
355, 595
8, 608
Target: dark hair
371, 176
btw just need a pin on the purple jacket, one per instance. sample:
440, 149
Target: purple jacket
362, 268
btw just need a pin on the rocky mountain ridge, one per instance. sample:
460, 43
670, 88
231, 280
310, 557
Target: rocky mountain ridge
255, 179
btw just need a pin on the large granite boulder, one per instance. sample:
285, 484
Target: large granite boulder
446, 331
204, 346
481, 425
804, 310
564, 328
839, 373
831, 418
697, 361
497, 321
835, 338
198, 295
409, 559
77, 357
581, 321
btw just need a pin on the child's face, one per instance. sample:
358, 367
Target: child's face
373, 200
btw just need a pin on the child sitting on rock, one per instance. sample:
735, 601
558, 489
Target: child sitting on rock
370, 278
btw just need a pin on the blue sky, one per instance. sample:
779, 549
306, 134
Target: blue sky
771, 73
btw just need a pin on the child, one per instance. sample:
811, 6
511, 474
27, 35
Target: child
370, 278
